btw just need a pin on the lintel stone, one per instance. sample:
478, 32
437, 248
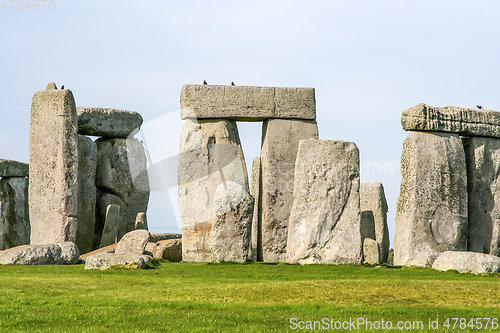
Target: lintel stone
10, 168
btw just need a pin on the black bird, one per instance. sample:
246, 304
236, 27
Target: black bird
62, 87
205, 82
479, 106
232, 83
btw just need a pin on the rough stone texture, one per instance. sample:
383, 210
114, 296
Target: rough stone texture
141, 221
467, 262
87, 191
372, 199
122, 171
170, 249
483, 171
133, 242
367, 224
155, 238
106, 260
112, 226
14, 215
53, 169
247, 103
103, 201
280, 142
66, 253
371, 252
256, 241
10, 168
109, 123
469, 122
431, 213
106, 249
325, 218
215, 205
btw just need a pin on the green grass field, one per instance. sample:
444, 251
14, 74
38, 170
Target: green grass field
187, 297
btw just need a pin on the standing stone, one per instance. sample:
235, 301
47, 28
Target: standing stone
87, 191
325, 218
371, 252
122, 171
14, 215
53, 169
431, 213
280, 142
141, 221
372, 200
214, 200
483, 171
256, 248
111, 226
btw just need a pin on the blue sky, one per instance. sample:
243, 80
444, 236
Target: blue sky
367, 60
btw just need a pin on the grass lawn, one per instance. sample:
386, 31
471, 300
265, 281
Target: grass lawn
256, 297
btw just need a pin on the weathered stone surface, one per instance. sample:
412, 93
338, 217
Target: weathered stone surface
106, 249
155, 238
325, 218
256, 241
431, 213
122, 171
215, 205
247, 103
473, 122
14, 216
372, 199
483, 171
371, 253
109, 123
66, 253
170, 249
106, 260
87, 191
133, 242
112, 226
279, 151
141, 221
53, 182
467, 262
10, 168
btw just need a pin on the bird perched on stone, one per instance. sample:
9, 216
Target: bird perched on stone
232, 83
205, 82
62, 87
479, 106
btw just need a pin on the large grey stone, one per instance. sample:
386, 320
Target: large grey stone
215, 205
371, 251
325, 218
256, 240
9, 168
109, 123
66, 253
122, 171
112, 225
14, 216
431, 213
106, 260
280, 142
133, 242
87, 191
247, 103
483, 171
170, 249
116, 224
467, 262
372, 199
53, 182
469, 122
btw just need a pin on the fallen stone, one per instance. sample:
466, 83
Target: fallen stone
468, 122
483, 173
467, 262
325, 222
431, 212
107, 260
53, 182
106, 249
371, 253
10, 168
372, 199
66, 253
112, 226
256, 240
155, 238
170, 250
110, 123
247, 103
215, 205
133, 242
14, 215
141, 221
279, 151
87, 191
